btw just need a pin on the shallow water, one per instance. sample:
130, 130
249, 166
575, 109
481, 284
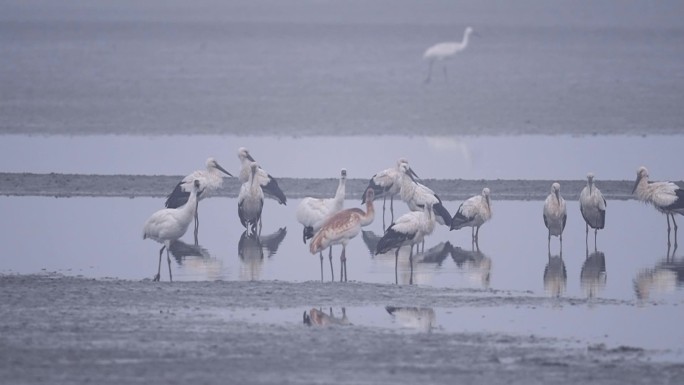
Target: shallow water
102, 237
444, 157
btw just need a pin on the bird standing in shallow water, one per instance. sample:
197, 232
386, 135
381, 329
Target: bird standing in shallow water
384, 183
168, 225
312, 213
409, 229
474, 212
251, 201
592, 207
443, 51
341, 227
268, 184
666, 197
209, 180
555, 214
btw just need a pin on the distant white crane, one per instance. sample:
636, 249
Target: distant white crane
443, 51
384, 183
666, 197
268, 183
555, 213
473, 212
251, 201
168, 225
409, 229
341, 227
593, 207
209, 180
312, 213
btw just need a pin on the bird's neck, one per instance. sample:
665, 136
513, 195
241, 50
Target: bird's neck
466, 37
191, 205
369, 215
341, 189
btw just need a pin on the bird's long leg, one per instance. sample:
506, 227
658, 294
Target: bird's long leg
561, 242
332, 271
668, 229
392, 207
411, 264
384, 198
429, 75
675, 229
321, 254
549, 242
396, 264
196, 221
595, 235
168, 259
156, 277
343, 264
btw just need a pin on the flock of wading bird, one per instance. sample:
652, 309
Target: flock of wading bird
326, 222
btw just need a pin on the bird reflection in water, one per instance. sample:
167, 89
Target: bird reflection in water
555, 275
420, 318
663, 278
252, 248
434, 255
316, 317
196, 258
593, 274
475, 262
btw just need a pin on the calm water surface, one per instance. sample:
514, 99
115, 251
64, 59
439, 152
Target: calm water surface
102, 237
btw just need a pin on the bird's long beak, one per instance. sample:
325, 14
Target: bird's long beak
250, 158
223, 170
413, 174
636, 183
557, 193
254, 170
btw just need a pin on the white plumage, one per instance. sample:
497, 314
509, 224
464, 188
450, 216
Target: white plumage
666, 197
168, 225
387, 182
555, 213
417, 196
473, 212
443, 51
268, 184
210, 180
251, 201
313, 212
409, 229
592, 207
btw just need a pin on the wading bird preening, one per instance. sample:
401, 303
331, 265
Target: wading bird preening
474, 212
168, 225
209, 180
268, 183
384, 183
592, 207
666, 197
409, 229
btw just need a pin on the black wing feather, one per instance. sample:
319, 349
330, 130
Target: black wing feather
273, 190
